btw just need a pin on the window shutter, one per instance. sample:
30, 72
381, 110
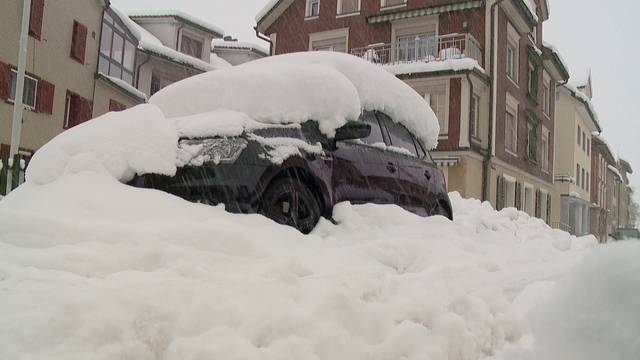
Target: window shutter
46, 91
85, 111
549, 209
35, 21
5, 81
78, 42
538, 204
518, 196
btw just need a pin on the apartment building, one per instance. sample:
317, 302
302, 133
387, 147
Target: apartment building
481, 65
602, 159
576, 121
625, 194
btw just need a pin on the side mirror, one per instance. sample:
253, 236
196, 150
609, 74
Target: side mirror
353, 130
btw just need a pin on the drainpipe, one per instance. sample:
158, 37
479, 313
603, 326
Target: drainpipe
267, 39
486, 169
470, 110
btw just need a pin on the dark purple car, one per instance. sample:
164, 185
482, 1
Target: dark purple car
370, 161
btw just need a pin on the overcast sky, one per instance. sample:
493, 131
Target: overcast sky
591, 34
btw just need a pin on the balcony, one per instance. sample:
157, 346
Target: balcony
423, 48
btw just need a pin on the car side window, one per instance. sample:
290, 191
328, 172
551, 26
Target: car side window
399, 135
376, 132
421, 152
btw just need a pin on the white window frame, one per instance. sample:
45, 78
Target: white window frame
544, 157
35, 90
194, 38
384, 6
329, 35
353, 13
513, 41
513, 109
440, 87
307, 12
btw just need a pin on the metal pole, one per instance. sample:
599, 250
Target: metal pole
16, 128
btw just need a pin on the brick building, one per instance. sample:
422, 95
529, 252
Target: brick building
602, 159
481, 65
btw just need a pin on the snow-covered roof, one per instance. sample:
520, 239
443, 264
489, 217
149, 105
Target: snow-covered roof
266, 9
184, 17
149, 43
531, 6
124, 86
615, 170
454, 65
554, 50
587, 102
226, 44
330, 88
218, 62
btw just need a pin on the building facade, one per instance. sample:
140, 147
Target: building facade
234, 52
481, 65
602, 159
576, 123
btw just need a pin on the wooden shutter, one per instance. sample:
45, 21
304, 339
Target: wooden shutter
538, 204
46, 92
35, 21
5, 81
86, 110
549, 209
500, 194
518, 196
78, 42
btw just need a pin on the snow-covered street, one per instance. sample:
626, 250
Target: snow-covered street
91, 268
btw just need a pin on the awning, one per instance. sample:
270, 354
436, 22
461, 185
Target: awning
446, 161
430, 10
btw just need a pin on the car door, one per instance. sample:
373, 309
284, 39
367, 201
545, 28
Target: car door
413, 176
363, 171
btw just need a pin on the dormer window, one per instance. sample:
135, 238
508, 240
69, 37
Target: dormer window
191, 47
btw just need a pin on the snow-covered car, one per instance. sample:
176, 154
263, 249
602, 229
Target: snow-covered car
295, 175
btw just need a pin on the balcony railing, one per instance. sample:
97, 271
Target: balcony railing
423, 49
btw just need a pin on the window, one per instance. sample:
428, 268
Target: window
78, 42
416, 47
533, 81
401, 137
392, 3
532, 141
474, 116
579, 134
77, 110
529, 200
158, 83
376, 131
313, 8
577, 174
511, 132
437, 99
333, 40
117, 51
348, 7
588, 147
29, 92
546, 101
583, 179
588, 180
35, 19
191, 47
544, 144
513, 41
584, 141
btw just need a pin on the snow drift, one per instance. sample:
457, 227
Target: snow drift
92, 268
330, 88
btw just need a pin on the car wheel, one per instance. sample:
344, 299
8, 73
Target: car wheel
438, 209
289, 202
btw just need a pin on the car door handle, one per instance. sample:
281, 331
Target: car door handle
391, 167
427, 174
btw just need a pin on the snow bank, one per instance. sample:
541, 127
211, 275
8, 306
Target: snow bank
136, 141
330, 88
90, 266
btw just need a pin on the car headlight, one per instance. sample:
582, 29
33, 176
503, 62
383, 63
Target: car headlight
219, 150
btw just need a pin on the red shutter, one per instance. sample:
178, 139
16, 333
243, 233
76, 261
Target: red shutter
35, 22
46, 91
5, 81
116, 106
78, 42
85, 111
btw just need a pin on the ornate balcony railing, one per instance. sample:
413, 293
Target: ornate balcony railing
423, 49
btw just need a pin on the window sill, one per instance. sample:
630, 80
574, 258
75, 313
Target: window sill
443, 137
510, 152
513, 81
25, 106
476, 139
340, 16
393, 7
308, 18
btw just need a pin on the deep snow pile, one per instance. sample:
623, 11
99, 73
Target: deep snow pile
328, 87
92, 268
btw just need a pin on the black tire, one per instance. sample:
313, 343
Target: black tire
289, 202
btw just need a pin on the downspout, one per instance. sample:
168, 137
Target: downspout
470, 110
486, 169
263, 37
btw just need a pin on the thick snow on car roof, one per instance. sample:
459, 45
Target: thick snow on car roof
330, 88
